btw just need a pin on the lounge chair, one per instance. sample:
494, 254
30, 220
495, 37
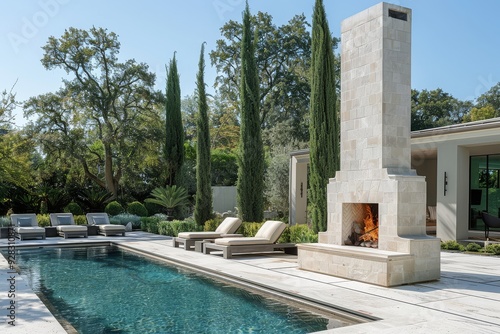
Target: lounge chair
264, 241
227, 228
489, 222
65, 225
101, 220
26, 226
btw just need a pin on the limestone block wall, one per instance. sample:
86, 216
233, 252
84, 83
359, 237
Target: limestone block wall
376, 90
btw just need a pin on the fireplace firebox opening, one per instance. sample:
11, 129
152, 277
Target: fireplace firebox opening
362, 224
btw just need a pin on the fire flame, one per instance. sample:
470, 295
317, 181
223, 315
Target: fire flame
371, 226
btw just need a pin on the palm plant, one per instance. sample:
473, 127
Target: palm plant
94, 198
169, 197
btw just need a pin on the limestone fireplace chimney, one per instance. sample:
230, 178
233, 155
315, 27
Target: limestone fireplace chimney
376, 160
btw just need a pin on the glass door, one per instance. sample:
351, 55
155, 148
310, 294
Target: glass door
484, 188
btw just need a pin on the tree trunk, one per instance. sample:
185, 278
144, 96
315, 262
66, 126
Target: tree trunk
108, 172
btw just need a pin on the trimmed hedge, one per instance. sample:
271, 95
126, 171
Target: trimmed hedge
73, 208
150, 224
172, 228
137, 208
114, 208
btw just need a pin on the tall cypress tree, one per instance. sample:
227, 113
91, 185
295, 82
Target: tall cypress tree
203, 205
323, 126
174, 145
250, 185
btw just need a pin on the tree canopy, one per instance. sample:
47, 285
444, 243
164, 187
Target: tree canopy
100, 117
282, 60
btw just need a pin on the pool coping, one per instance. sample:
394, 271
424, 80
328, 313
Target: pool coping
466, 298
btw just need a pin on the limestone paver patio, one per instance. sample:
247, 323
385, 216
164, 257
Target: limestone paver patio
466, 299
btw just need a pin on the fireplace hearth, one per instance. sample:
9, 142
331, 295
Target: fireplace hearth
376, 200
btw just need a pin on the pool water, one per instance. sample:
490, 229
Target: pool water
109, 290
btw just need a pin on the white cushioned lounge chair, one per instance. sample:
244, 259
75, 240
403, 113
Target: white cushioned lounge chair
26, 226
227, 228
65, 225
101, 220
264, 241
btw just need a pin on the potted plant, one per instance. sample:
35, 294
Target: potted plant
169, 197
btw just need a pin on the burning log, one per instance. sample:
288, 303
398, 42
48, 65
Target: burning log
364, 234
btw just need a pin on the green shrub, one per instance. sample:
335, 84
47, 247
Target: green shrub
224, 167
150, 224
493, 249
174, 227
187, 225
473, 247
250, 229
212, 224
452, 245
73, 208
137, 208
114, 208
4, 221
43, 220
80, 219
153, 208
285, 236
302, 234
125, 218
165, 228
161, 216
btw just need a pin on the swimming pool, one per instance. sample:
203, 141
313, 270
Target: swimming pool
106, 289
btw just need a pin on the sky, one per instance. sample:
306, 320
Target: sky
455, 44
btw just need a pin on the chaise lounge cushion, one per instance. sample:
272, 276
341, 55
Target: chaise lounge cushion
269, 233
228, 226
64, 220
199, 235
242, 241
71, 228
29, 230
24, 222
101, 220
111, 227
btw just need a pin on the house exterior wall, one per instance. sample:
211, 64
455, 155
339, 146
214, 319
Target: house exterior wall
298, 189
454, 149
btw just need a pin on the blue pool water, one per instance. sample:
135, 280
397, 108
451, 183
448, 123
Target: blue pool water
109, 290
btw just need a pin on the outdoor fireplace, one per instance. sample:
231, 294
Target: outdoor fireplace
375, 199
